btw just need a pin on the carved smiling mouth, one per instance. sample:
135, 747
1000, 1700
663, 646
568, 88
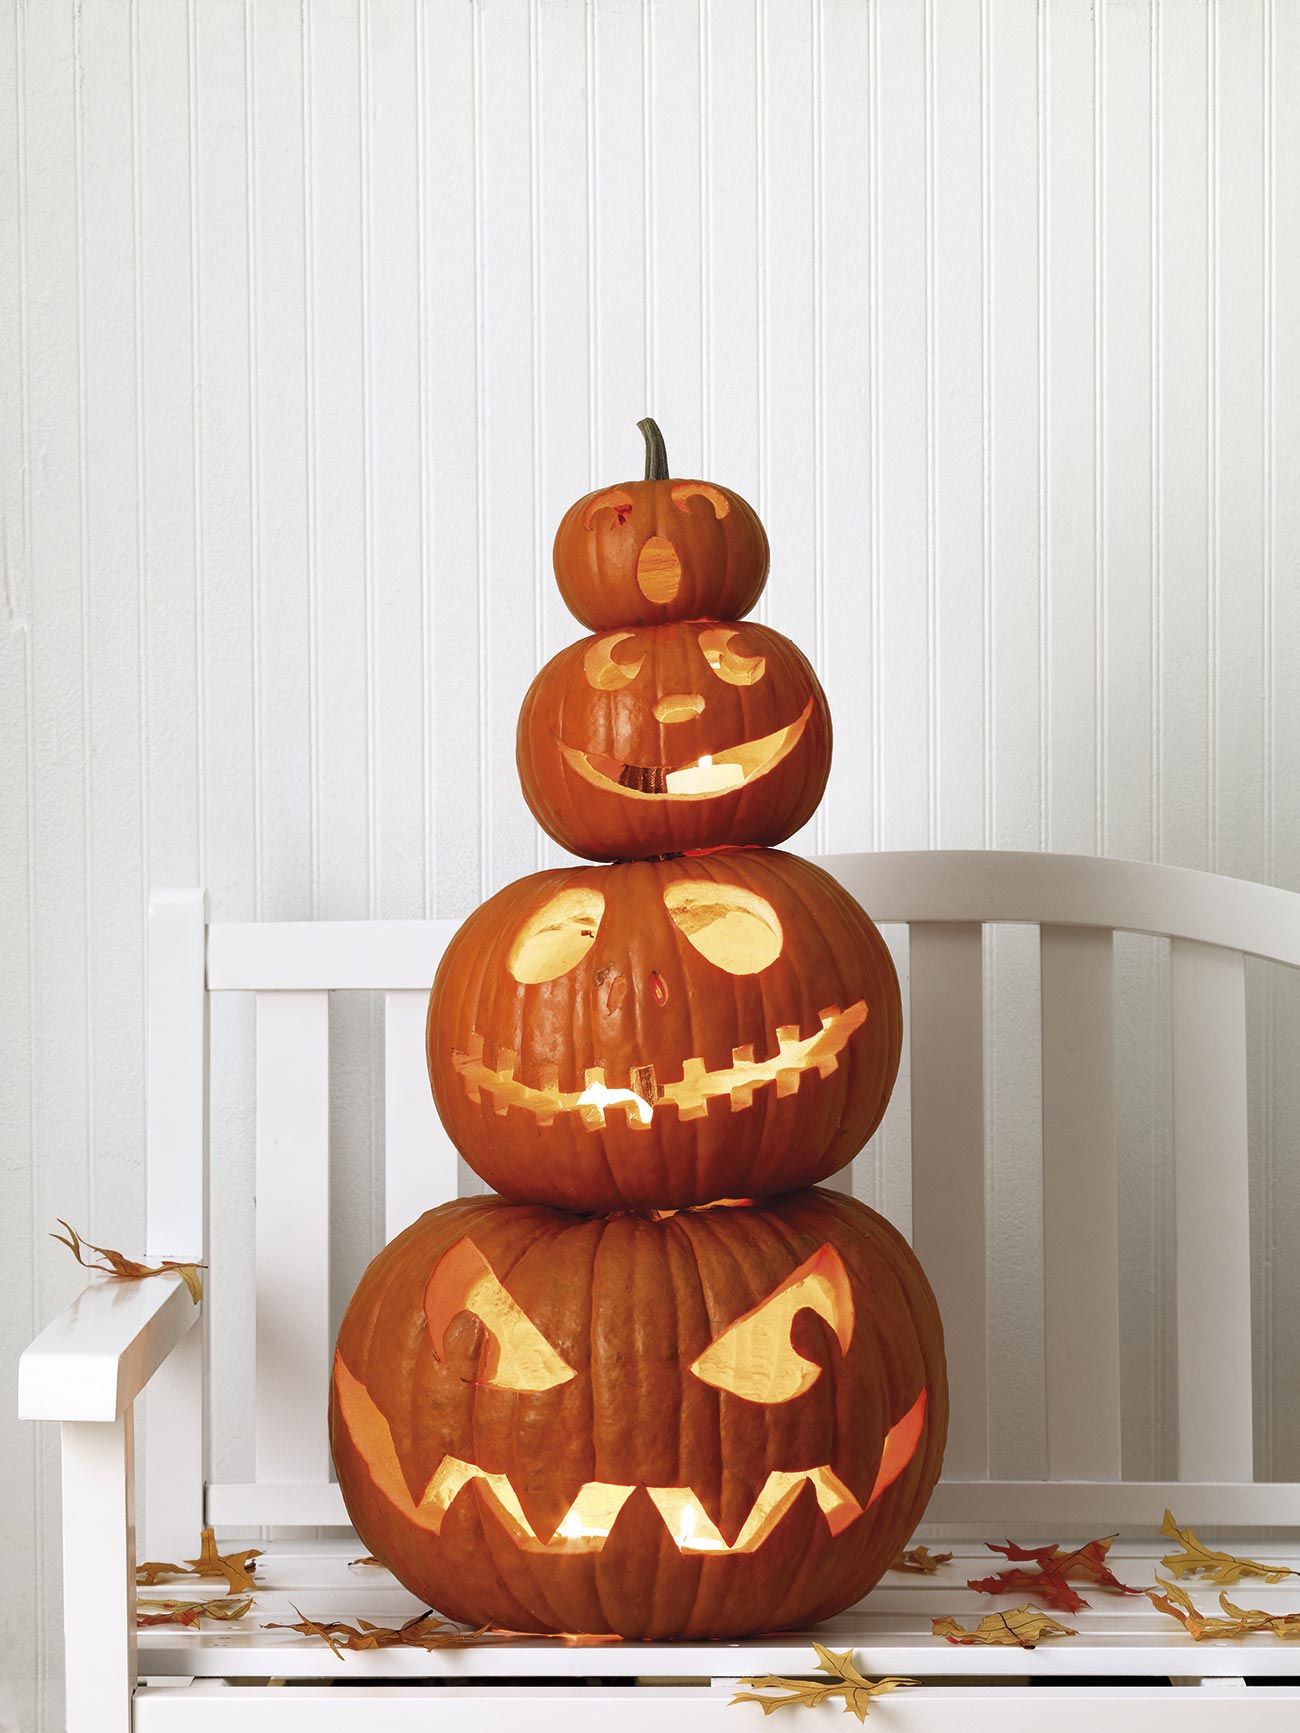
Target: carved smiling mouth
702, 779
795, 1056
590, 1518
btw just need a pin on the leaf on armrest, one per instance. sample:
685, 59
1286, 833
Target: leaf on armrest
124, 1268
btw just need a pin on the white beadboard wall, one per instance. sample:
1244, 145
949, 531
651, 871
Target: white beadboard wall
314, 316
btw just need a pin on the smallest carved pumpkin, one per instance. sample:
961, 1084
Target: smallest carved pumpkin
647, 552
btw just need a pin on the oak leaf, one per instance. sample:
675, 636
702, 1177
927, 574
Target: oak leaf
1022, 1627
236, 1567
920, 1561
424, 1631
124, 1268
1236, 1622
845, 1681
165, 1612
1224, 1568
367, 1560
1049, 1581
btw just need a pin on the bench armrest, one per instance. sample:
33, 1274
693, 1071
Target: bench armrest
98, 1355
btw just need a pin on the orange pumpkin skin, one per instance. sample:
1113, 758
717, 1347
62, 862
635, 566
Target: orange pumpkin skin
647, 552
615, 721
624, 1307
627, 1066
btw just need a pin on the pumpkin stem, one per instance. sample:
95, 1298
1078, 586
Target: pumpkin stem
656, 452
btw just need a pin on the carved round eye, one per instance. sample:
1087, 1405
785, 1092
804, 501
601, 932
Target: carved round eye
602, 671
557, 937
727, 924
515, 1354
729, 664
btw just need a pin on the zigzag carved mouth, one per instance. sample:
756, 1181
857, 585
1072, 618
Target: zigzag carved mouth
590, 1518
702, 779
643, 1094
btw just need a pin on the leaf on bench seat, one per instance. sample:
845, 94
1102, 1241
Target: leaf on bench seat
1225, 1568
1049, 1581
236, 1567
845, 1681
1022, 1628
424, 1631
124, 1268
1235, 1623
920, 1561
164, 1612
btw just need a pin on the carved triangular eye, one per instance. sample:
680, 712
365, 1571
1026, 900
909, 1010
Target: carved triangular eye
515, 1354
755, 1357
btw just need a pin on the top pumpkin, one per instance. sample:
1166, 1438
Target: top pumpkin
648, 552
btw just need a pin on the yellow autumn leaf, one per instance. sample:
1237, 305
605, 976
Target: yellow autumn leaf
920, 1561
127, 1269
844, 1681
1021, 1627
1196, 1559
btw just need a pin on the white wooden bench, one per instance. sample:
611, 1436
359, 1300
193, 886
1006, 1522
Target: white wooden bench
1128, 1663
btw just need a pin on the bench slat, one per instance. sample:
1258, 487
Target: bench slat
1080, 1207
947, 1004
1212, 1212
293, 1335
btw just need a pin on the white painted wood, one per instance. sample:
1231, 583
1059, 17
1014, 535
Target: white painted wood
99, 1573
420, 1160
1080, 1211
301, 956
947, 1009
1074, 890
984, 1709
97, 1356
1215, 1416
293, 1340
176, 1205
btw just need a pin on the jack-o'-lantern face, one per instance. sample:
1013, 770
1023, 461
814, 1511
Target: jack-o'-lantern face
561, 1408
647, 552
661, 1033
688, 736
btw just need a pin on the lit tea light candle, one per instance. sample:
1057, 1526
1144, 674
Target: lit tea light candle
704, 777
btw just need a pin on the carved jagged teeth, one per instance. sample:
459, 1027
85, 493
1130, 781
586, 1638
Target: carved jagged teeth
743, 1055
828, 1016
787, 1082
742, 1095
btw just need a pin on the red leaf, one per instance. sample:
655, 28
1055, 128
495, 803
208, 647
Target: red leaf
1049, 1583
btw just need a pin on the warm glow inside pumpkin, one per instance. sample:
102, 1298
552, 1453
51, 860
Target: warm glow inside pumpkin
692, 1425
664, 1033
678, 737
660, 549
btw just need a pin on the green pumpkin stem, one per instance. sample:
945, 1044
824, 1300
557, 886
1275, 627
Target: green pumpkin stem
656, 452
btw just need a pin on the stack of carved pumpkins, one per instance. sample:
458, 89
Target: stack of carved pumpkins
661, 1391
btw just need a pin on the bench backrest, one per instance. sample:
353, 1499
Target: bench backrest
943, 902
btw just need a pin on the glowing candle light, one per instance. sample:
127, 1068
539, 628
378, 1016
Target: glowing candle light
704, 777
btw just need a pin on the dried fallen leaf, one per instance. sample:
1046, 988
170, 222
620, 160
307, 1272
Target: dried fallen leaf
920, 1561
236, 1567
1225, 1568
163, 1612
1236, 1621
1022, 1627
127, 1269
424, 1631
364, 1561
1048, 1581
845, 1681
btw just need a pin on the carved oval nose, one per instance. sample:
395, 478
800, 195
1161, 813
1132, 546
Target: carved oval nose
678, 707
658, 570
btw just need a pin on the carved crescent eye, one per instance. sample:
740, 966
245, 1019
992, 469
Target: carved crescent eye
516, 1355
683, 492
602, 671
729, 664
727, 924
557, 937
614, 499
754, 1358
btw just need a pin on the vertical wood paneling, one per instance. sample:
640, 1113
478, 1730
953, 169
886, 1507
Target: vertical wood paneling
312, 321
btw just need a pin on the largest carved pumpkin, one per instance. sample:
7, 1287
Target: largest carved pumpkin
662, 1033
725, 1421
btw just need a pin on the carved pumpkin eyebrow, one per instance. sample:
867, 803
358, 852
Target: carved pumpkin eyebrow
684, 492
755, 1357
729, 664
516, 1355
615, 499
